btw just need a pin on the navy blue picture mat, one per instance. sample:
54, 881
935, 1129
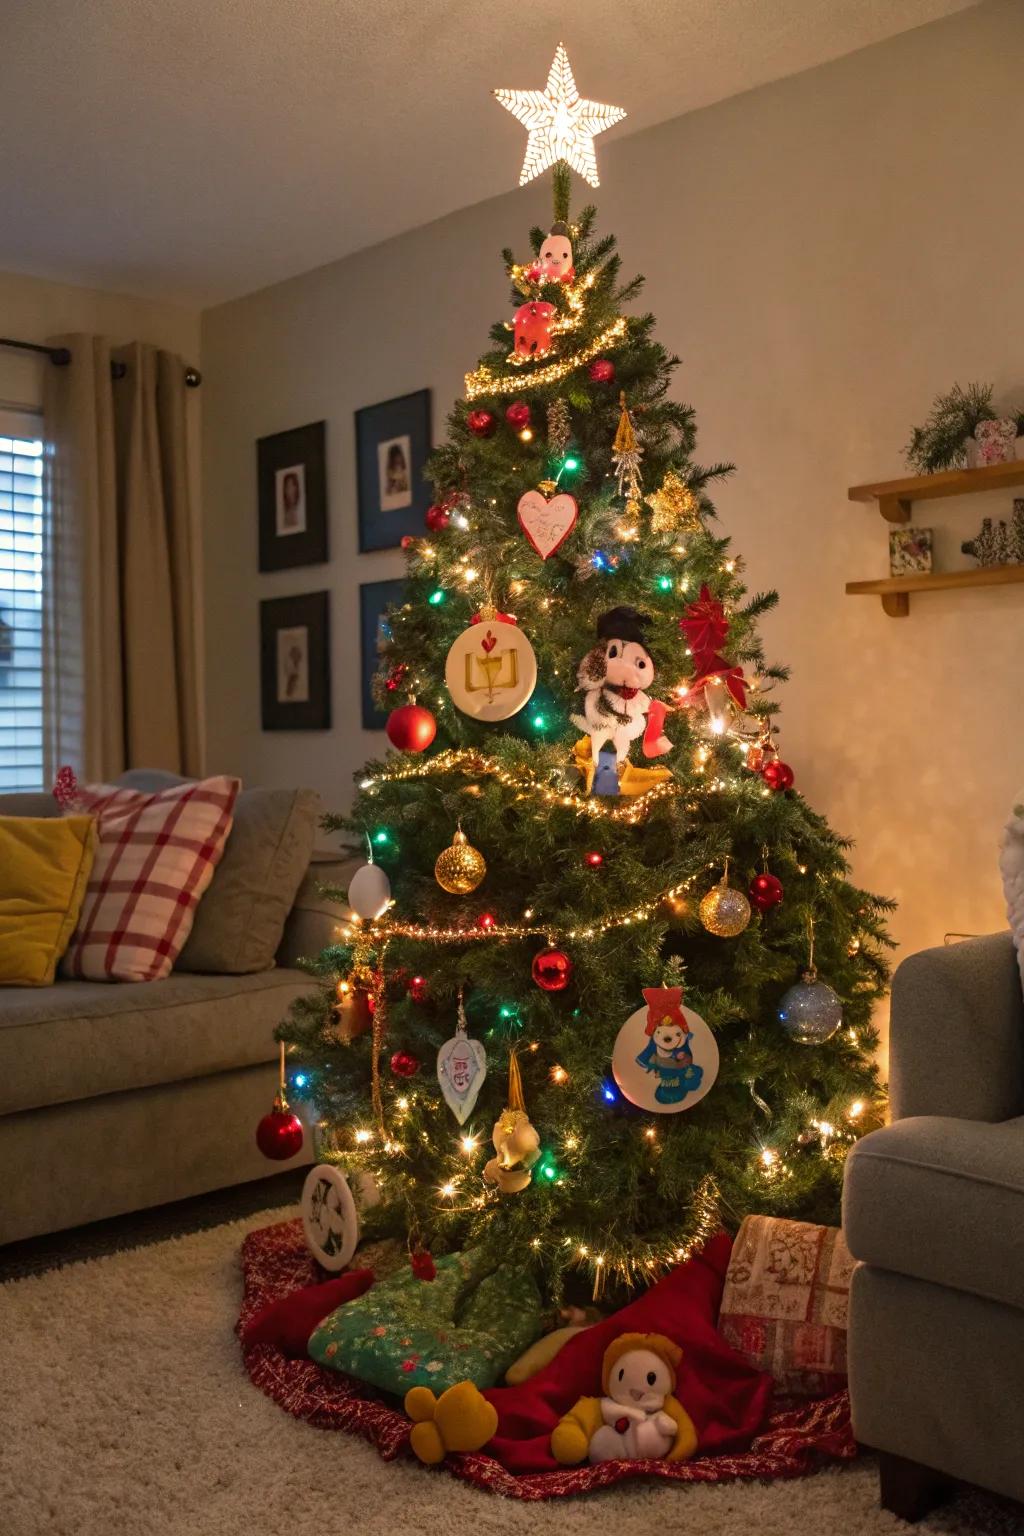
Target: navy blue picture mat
374, 598
405, 416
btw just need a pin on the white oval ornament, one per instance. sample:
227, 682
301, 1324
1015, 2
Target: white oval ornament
461, 1069
664, 1080
369, 891
330, 1220
491, 670
547, 524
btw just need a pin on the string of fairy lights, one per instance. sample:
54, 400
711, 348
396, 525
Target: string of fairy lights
484, 381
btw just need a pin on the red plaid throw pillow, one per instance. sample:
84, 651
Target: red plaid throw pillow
155, 857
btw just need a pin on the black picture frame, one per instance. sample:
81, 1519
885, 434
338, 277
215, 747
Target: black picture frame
309, 671
291, 474
403, 426
374, 598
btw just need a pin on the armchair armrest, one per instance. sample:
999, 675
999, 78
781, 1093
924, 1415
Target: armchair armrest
957, 1032
313, 921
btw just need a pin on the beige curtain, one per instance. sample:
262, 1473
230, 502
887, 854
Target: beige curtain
119, 587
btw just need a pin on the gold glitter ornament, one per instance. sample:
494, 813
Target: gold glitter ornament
675, 506
460, 868
724, 911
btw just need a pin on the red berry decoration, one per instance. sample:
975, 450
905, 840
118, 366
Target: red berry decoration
552, 970
280, 1134
518, 415
765, 892
411, 728
777, 774
437, 518
418, 989
481, 423
404, 1065
407, 541
395, 676
602, 370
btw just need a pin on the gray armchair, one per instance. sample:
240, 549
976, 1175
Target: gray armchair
933, 1206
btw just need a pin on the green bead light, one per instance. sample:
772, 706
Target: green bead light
437, 596
665, 583
571, 464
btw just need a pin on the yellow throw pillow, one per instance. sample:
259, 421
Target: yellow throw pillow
44, 866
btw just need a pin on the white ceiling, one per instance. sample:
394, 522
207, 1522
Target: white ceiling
195, 150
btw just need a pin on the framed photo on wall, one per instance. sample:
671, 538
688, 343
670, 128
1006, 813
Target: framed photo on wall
392, 446
291, 470
295, 663
375, 597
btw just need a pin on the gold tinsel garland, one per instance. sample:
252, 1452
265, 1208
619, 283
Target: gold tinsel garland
468, 760
483, 382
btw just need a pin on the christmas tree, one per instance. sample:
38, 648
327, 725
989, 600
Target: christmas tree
588, 822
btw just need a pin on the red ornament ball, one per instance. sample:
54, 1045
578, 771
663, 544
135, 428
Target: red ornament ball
411, 728
602, 370
418, 989
777, 774
765, 892
481, 423
518, 415
407, 541
552, 970
594, 859
280, 1134
422, 1265
437, 518
404, 1065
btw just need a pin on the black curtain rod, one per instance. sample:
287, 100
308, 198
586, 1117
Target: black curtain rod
61, 357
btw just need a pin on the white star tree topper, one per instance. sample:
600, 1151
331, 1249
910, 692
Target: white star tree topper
562, 125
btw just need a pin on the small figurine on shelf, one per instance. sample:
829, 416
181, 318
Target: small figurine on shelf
991, 546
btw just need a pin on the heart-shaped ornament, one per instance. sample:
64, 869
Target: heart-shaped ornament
461, 1069
547, 524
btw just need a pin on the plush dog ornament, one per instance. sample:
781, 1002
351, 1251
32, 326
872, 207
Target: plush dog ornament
613, 678
638, 1418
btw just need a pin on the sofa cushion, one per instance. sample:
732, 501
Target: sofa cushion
941, 1200
45, 863
27, 803
240, 920
81, 1038
156, 856
1011, 867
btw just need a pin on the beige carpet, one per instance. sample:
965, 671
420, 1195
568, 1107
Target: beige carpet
124, 1408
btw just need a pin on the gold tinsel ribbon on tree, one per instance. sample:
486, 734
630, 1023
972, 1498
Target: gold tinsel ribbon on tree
379, 1030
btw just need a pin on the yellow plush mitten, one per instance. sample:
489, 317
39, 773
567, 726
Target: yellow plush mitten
570, 1438
461, 1419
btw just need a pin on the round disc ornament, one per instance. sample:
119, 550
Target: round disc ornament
810, 1012
665, 1057
329, 1217
369, 891
491, 669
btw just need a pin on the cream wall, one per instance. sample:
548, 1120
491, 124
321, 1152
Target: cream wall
825, 253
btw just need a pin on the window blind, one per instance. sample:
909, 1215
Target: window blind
21, 600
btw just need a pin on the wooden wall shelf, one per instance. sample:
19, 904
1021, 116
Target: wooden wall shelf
896, 498
895, 591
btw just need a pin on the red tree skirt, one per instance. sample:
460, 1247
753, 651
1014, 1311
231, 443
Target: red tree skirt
275, 1261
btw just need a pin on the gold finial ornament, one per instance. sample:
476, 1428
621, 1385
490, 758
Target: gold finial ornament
460, 868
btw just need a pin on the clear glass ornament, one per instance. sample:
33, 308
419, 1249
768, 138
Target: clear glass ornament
811, 1011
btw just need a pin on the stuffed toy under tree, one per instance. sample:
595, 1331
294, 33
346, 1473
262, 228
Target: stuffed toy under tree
607, 985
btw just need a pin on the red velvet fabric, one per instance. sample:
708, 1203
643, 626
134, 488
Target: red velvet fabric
726, 1398
288, 1322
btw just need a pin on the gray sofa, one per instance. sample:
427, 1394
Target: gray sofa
117, 1096
933, 1206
